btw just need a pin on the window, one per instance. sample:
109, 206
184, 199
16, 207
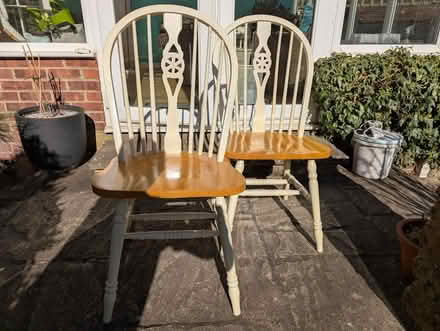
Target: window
299, 12
42, 21
391, 22
159, 38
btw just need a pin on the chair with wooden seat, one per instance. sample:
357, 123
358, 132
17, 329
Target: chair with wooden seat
171, 167
280, 59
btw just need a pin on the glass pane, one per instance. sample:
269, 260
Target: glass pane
159, 38
391, 22
299, 12
57, 21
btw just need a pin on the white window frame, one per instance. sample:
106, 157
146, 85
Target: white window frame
330, 13
76, 50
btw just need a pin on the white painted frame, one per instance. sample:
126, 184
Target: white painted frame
326, 34
90, 12
331, 13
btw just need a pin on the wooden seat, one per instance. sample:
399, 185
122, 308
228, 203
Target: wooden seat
274, 146
166, 176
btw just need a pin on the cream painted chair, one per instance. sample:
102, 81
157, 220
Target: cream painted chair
176, 169
280, 54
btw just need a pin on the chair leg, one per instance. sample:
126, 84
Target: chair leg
316, 209
120, 221
287, 165
234, 198
226, 242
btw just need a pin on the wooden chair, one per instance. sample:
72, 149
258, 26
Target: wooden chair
172, 173
257, 132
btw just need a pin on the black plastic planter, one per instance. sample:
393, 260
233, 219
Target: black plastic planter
53, 143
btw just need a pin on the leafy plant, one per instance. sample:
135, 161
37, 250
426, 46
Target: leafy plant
397, 88
421, 298
51, 22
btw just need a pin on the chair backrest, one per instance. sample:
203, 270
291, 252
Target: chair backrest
174, 82
277, 62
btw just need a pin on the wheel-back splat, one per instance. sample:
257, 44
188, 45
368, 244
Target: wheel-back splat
262, 63
173, 67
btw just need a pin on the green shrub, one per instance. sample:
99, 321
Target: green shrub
397, 88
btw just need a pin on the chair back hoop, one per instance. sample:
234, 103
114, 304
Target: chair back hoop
219, 73
271, 73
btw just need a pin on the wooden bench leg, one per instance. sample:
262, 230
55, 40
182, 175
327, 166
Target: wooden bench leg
228, 256
316, 209
120, 221
234, 198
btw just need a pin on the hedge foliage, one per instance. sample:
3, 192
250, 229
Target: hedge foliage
397, 88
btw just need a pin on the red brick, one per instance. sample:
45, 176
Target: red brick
47, 87
94, 96
91, 106
27, 73
8, 96
14, 106
6, 156
13, 63
81, 63
17, 148
73, 96
16, 85
7, 116
97, 116
83, 85
90, 73
93, 85
5, 148
99, 126
66, 73
6, 73
76, 85
51, 63
31, 96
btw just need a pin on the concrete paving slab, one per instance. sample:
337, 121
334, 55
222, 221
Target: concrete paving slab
283, 245
247, 241
349, 217
55, 246
329, 293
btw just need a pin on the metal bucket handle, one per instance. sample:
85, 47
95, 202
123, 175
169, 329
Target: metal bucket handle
374, 126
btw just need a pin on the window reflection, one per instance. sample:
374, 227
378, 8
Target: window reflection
391, 22
300, 13
57, 21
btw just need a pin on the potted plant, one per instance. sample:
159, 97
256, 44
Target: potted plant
53, 134
421, 298
410, 235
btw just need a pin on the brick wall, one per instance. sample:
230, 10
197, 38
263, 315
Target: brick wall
79, 84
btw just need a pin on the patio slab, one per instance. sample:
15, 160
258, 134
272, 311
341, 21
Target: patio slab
55, 245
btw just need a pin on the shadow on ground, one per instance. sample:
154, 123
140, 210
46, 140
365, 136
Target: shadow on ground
54, 235
366, 212
56, 244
